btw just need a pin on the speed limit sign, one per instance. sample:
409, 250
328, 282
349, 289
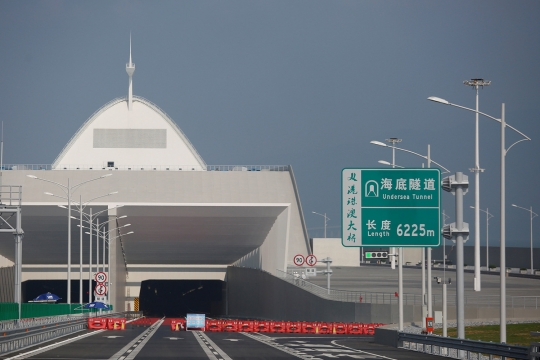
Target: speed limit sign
100, 277
311, 260
298, 260
100, 289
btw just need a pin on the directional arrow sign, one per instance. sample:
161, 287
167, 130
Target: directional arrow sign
391, 207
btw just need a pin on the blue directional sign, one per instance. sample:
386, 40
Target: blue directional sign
391, 207
196, 321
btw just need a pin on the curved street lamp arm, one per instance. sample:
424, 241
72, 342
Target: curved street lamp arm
422, 156
97, 197
324, 216
507, 150
442, 167
493, 118
102, 211
484, 211
409, 151
73, 188
528, 210
63, 187
60, 197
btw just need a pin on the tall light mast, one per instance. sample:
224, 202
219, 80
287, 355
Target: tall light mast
476, 84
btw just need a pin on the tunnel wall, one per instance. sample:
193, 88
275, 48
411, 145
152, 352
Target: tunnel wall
257, 294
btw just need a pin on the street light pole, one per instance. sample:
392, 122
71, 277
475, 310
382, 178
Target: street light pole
504, 151
80, 256
488, 216
68, 191
477, 83
80, 209
429, 161
532, 217
393, 141
90, 262
325, 221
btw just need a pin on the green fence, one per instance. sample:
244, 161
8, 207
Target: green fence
9, 311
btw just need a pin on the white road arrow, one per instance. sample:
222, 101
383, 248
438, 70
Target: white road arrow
173, 338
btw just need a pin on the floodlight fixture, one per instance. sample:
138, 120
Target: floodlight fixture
476, 83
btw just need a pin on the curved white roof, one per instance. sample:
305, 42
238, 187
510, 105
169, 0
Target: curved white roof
142, 137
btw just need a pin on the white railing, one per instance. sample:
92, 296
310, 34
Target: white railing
149, 167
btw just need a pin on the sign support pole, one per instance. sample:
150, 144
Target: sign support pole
460, 289
400, 287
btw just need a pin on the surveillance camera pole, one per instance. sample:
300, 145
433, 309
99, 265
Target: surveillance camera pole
459, 233
327, 272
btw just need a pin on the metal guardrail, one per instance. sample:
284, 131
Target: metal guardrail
65, 325
459, 348
16, 342
25, 323
149, 167
529, 302
10, 195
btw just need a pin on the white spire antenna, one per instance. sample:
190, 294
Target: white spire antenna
130, 69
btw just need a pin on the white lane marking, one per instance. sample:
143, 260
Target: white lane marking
232, 340
134, 345
53, 346
112, 336
270, 342
217, 348
362, 351
204, 347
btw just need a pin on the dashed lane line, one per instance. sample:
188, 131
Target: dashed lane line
131, 350
267, 340
210, 348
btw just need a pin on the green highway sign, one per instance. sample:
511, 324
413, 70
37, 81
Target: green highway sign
391, 207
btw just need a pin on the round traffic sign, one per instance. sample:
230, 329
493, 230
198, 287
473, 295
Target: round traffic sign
311, 260
100, 289
100, 277
298, 260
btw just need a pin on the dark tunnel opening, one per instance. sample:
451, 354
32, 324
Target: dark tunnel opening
176, 298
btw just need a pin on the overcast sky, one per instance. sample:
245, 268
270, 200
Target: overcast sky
306, 83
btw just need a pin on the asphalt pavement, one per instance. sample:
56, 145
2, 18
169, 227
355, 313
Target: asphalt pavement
162, 343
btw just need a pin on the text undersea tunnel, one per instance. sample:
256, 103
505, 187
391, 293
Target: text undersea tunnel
176, 298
